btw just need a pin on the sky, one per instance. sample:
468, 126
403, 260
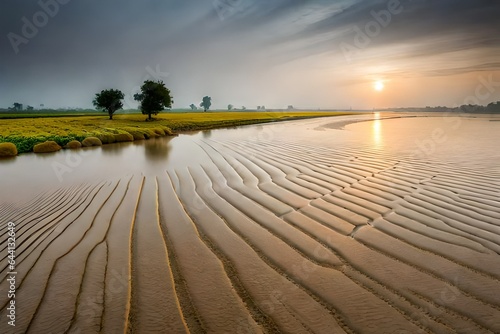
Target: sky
359, 54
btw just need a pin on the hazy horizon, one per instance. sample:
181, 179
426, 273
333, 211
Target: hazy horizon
310, 54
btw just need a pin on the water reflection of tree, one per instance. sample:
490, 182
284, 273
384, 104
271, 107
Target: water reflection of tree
157, 148
207, 133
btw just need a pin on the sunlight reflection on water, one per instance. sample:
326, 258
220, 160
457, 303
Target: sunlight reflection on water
474, 144
377, 133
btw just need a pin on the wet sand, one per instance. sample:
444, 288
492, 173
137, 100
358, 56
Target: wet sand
352, 225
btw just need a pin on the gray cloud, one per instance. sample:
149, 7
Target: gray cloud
452, 25
89, 45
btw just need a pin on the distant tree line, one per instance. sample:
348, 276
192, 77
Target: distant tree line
154, 97
19, 107
493, 107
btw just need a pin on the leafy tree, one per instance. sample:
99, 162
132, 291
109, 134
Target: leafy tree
193, 107
30, 108
109, 100
17, 106
230, 107
154, 97
206, 103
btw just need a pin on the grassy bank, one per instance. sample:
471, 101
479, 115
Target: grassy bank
27, 132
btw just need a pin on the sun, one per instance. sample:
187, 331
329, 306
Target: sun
379, 86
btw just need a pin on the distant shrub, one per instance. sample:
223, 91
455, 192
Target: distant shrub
137, 135
148, 133
159, 131
8, 150
107, 138
91, 141
74, 144
47, 147
168, 131
121, 137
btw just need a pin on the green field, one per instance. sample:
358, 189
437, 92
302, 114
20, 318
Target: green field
25, 132
7, 114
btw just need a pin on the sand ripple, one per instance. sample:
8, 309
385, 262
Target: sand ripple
268, 237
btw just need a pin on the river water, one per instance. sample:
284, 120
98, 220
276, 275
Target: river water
375, 222
468, 141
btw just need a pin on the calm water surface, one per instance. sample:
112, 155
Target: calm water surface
469, 141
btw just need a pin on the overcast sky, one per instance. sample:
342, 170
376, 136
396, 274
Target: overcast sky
308, 53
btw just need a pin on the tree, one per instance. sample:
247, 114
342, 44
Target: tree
193, 107
206, 103
154, 97
243, 108
109, 100
493, 107
290, 107
230, 107
30, 108
17, 106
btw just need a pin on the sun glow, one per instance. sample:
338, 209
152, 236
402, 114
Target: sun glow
379, 86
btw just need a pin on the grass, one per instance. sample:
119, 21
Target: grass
27, 132
46, 147
7, 114
91, 141
7, 150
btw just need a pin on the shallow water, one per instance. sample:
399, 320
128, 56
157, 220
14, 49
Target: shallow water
375, 222
438, 138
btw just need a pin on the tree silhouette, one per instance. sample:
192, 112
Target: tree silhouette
109, 100
230, 107
206, 103
154, 97
193, 107
493, 107
17, 106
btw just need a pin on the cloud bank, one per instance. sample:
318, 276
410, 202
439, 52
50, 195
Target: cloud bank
309, 53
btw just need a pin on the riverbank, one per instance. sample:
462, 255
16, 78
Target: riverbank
25, 133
